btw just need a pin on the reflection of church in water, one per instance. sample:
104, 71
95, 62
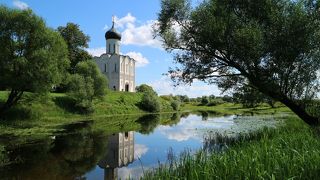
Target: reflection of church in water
120, 152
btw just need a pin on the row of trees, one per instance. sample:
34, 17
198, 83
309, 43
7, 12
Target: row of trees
36, 58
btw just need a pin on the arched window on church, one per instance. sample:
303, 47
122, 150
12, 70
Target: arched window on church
114, 48
109, 48
115, 67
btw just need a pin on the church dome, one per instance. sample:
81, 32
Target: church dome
112, 34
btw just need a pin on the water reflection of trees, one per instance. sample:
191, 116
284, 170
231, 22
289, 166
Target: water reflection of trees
151, 121
69, 156
148, 123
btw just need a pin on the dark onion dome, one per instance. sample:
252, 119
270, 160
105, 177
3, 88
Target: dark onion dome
113, 34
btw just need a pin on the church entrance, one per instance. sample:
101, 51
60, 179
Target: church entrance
127, 87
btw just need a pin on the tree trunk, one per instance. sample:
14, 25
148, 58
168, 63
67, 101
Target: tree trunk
301, 112
294, 106
13, 98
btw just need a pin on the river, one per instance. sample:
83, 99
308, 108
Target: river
79, 152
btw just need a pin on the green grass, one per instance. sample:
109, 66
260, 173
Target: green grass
42, 115
288, 152
231, 109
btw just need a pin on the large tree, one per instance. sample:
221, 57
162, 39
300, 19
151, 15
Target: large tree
33, 57
76, 41
272, 45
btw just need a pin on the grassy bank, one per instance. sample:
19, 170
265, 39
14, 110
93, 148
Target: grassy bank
289, 152
231, 109
42, 115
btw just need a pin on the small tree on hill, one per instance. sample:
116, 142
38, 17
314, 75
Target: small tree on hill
86, 84
145, 88
150, 102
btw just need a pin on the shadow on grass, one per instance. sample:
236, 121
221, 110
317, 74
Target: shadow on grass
18, 112
69, 105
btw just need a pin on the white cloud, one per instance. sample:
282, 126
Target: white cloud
193, 127
134, 33
165, 86
140, 35
106, 27
124, 21
140, 59
20, 5
96, 51
139, 150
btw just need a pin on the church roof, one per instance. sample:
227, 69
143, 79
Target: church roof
112, 33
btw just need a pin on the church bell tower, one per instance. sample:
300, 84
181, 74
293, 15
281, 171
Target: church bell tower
113, 39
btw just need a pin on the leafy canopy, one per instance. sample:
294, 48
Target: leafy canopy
271, 44
33, 57
76, 41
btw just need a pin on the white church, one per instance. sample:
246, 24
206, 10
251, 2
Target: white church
119, 69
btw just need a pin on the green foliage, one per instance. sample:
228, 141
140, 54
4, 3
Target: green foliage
150, 102
82, 92
143, 88
215, 102
227, 98
76, 41
175, 105
204, 100
167, 97
90, 69
313, 107
182, 98
270, 44
86, 84
248, 96
33, 57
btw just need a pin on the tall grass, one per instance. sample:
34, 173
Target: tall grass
289, 152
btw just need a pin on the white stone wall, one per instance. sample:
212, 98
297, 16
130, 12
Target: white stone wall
127, 73
119, 69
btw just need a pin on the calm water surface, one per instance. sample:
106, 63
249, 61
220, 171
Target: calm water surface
84, 154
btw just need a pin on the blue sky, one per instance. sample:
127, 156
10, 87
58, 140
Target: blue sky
134, 19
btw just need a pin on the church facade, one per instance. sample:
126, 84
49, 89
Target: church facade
119, 69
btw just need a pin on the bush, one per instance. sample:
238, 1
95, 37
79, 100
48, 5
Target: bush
215, 102
167, 97
143, 88
90, 69
204, 100
82, 92
175, 105
150, 102
85, 85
